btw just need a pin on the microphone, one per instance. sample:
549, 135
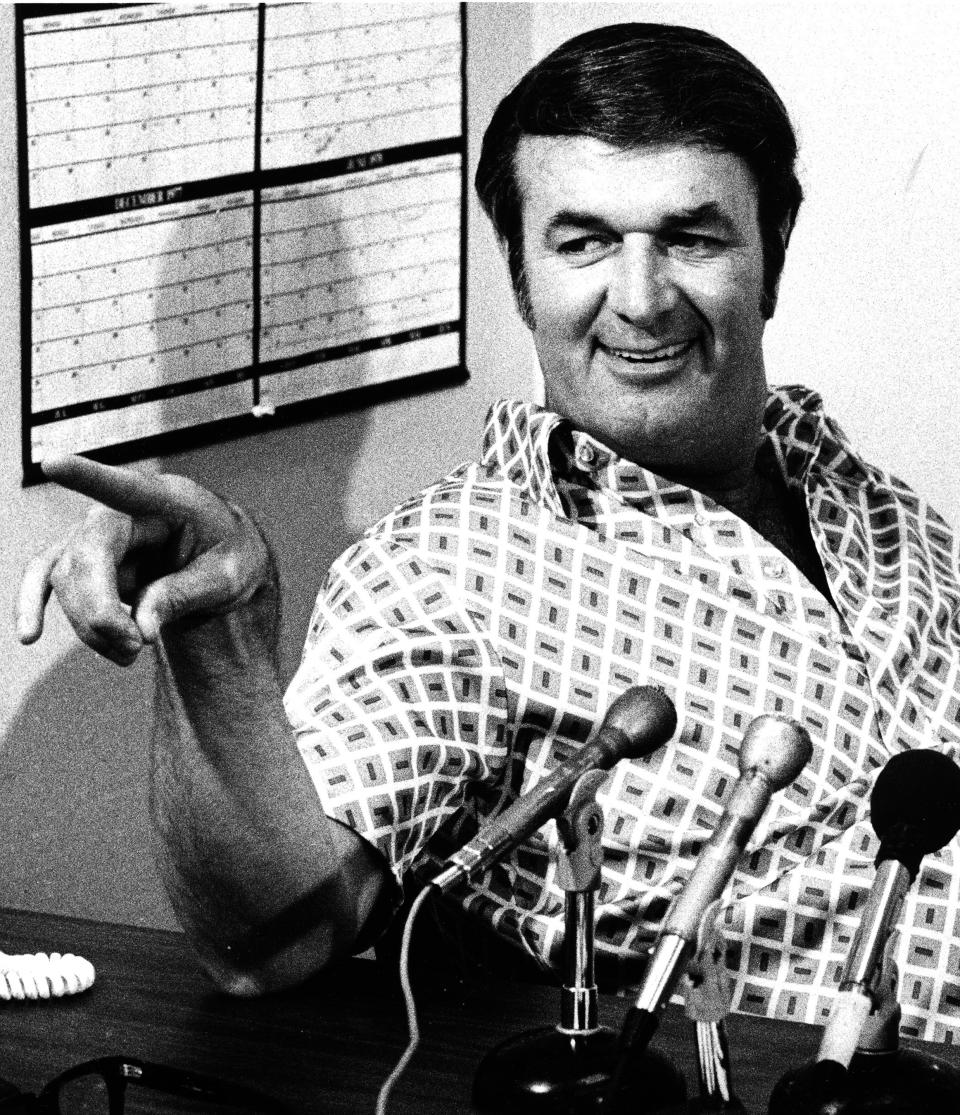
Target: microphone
773, 752
639, 721
915, 810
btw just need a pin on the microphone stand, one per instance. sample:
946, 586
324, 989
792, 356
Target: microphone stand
706, 993
881, 1079
565, 1069
859, 1068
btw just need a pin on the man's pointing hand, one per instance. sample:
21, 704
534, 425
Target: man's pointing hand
159, 543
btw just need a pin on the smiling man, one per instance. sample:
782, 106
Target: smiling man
664, 519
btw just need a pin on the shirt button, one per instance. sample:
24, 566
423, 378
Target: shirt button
699, 518
586, 454
774, 569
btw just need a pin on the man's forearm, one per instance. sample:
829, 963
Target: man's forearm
243, 842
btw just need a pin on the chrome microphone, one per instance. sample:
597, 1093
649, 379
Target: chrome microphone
773, 752
639, 721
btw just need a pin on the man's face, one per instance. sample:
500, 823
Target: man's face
644, 279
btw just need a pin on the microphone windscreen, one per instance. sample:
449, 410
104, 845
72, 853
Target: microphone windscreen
915, 806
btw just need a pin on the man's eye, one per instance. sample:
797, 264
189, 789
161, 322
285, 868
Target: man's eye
694, 242
581, 245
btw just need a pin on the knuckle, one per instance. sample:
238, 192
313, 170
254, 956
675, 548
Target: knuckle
102, 619
232, 576
73, 566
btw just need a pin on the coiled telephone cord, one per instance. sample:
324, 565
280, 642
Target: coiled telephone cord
39, 976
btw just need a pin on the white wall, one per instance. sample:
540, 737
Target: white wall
868, 309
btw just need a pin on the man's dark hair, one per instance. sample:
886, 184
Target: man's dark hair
633, 85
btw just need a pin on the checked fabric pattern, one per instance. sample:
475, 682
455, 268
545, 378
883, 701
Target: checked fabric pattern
479, 632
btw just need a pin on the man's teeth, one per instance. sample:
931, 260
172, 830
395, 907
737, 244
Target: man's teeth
667, 353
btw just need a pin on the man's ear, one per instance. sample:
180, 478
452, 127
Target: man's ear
768, 303
518, 280
786, 230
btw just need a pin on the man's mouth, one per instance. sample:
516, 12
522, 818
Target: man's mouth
650, 355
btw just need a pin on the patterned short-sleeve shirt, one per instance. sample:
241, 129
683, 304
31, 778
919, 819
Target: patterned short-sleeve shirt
478, 633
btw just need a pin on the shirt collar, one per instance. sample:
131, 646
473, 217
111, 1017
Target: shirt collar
532, 447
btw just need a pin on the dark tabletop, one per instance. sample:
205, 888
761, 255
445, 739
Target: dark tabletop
326, 1046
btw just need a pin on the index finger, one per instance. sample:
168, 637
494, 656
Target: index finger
122, 489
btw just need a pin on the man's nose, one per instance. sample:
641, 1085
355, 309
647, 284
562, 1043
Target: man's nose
641, 288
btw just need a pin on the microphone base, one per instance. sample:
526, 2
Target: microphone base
898, 1082
567, 1073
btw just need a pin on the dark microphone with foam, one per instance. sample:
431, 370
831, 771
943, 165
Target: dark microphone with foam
639, 721
914, 810
773, 752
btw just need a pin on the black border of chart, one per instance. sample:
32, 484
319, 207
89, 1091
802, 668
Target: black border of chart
224, 429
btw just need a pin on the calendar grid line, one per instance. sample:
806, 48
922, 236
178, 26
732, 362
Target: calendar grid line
118, 123
308, 257
418, 295
78, 369
303, 258
156, 85
238, 375
365, 119
256, 256
373, 56
434, 76
223, 108
141, 55
115, 330
35, 12
152, 152
139, 259
426, 17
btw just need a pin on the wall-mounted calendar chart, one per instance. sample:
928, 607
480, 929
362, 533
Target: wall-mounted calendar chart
234, 213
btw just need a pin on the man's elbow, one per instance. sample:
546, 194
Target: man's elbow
285, 969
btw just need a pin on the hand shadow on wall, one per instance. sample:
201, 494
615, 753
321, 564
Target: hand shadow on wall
73, 795
73, 786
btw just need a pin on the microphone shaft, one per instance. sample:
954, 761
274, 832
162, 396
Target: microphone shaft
854, 1001
544, 801
627, 1080
719, 855
710, 875
879, 916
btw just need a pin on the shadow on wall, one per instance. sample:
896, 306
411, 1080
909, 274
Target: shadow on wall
73, 764
73, 795
294, 481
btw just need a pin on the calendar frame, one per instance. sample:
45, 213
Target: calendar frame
205, 431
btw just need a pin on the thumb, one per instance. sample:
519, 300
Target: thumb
151, 612
215, 582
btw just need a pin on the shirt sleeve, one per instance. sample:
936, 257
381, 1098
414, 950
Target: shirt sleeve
399, 703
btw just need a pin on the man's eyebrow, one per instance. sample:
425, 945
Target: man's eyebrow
575, 218
709, 213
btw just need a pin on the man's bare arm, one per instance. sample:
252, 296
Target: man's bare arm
266, 885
